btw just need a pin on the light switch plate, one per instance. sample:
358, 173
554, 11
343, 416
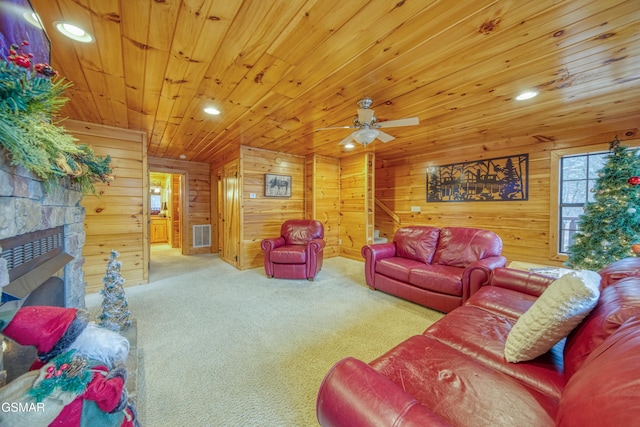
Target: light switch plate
415, 208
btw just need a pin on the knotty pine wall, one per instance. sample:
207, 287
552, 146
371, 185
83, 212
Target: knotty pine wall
197, 206
524, 226
261, 217
356, 204
323, 199
116, 218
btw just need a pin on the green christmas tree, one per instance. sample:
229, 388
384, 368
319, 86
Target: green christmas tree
115, 312
610, 225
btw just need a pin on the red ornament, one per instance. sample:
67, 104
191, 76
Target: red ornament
634, 180
22, 61
18, 57
45, 69
635, 248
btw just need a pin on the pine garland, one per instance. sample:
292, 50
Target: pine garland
65, 372
28, 102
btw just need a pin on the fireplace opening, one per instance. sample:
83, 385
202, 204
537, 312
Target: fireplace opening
33, 262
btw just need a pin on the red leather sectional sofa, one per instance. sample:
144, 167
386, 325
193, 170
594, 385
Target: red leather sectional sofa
439, 268
455, 373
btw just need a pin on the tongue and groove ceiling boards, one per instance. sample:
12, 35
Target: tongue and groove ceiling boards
277, 70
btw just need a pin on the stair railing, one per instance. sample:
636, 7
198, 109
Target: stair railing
388, 211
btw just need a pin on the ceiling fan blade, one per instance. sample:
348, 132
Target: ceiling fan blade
347, 140
384, 137
365, 115
337, 127
411, 121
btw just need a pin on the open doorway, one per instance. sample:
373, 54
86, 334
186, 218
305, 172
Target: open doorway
166, 191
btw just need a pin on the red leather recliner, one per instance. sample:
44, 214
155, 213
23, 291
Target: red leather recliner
297, 253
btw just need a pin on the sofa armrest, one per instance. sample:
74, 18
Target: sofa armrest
315, 246
478, 274
520, 280
354, 394
267, 246
371, 255
270, 244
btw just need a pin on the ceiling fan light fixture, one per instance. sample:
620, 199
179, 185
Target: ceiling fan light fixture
365, 136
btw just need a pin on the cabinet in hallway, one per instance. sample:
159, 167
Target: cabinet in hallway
159, 230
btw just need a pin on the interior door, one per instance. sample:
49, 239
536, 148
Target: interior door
176, 220
231, 214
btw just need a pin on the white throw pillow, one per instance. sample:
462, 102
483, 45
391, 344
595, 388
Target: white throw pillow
559, 309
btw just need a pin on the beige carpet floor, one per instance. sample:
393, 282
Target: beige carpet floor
223, 347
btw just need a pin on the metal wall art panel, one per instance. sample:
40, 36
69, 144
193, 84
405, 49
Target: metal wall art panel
499, 179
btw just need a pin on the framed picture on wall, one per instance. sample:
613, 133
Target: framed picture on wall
277, 185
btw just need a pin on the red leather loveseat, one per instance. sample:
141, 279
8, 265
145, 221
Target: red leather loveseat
439, 268
456, 374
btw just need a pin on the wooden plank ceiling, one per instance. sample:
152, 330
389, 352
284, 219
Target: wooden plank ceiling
279, 69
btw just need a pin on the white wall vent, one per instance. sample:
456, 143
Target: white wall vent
202, 236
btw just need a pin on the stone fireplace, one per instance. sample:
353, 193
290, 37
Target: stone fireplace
43, 232
27, 207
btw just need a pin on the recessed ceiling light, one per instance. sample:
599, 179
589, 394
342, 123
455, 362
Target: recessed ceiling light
211, 110
74, 32
33, 19
183, 156
349, 145
527, 95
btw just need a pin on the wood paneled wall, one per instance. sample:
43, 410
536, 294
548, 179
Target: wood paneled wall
524, 226
261, 216
116, 219
197, 206
356, 204
323, 199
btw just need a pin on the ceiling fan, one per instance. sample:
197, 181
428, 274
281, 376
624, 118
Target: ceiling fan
368, 127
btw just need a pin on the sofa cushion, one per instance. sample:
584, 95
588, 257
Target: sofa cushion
289, 254
416, 242
502, 301
605, 391
559, 309
460, 246
626, 267
396, 267
462, 390
521, 281
301, 231
617, 304
438, 278
482, 334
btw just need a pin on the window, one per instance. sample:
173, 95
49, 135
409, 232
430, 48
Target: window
578, 175
156, 204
